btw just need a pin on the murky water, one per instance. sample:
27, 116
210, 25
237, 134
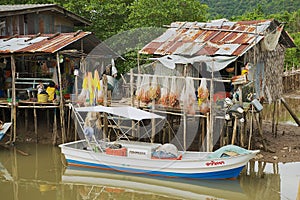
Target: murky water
43, 175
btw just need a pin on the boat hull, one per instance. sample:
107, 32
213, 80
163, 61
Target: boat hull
194, 165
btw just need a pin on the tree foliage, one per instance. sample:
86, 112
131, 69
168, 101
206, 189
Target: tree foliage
230, 8
158, 13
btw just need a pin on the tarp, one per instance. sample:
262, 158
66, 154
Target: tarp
213, 64
124, 111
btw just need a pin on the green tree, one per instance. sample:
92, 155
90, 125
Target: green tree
107, 16
146, 13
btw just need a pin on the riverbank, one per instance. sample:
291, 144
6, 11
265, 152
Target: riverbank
285, 146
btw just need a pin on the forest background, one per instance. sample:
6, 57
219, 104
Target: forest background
112, 17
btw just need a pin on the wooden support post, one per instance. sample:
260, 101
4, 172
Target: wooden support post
251, 127
273, 117
153, 130
290, 111
105, 128
208, 133
69, 122
260, 133
132, 100
61, 102
48, 119
54, 127
243, 132
13, 135
234, 130
26, 119
35, 124
202, 133
277, 116
184, 131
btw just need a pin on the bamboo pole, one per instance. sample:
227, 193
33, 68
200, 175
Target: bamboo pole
212, 113
208, 131
153, 124
54, 127
35, 124
260, 133
251, 127
234, 130
132, 99
26, 119
290, 111
69, 122
277, 116
105, 131
61, 101
184, 131
13, 135
273, 117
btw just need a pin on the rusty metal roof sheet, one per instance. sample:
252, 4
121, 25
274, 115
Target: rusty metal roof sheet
44, 43
84, 42
218, 37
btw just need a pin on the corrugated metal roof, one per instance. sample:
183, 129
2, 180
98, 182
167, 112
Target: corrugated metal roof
52, 43
45, 43
218, 37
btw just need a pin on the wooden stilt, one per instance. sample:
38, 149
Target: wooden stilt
35, 124
208, 132
105, 128
234, 130
222, 135
202, 133
251, 127
184, 131
69, 123
61, 102
273, 118
26, 119
54, 127
153, 130
290, 111
14, 105
260, 133
132, 100
48, 119
277, 116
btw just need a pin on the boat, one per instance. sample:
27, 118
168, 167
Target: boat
156, 186
140, 157
4, 128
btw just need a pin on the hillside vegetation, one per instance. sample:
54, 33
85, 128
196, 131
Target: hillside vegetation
230, 8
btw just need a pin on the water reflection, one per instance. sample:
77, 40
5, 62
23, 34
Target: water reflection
43, 175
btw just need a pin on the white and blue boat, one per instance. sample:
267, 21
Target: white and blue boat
155, 159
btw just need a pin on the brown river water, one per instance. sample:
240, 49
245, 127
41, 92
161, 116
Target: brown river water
43, 175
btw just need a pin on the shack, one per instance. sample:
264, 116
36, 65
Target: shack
245, 58
39, 46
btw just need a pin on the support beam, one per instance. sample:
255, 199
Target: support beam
290, 111
61, 102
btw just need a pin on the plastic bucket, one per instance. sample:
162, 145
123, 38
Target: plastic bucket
42, 98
